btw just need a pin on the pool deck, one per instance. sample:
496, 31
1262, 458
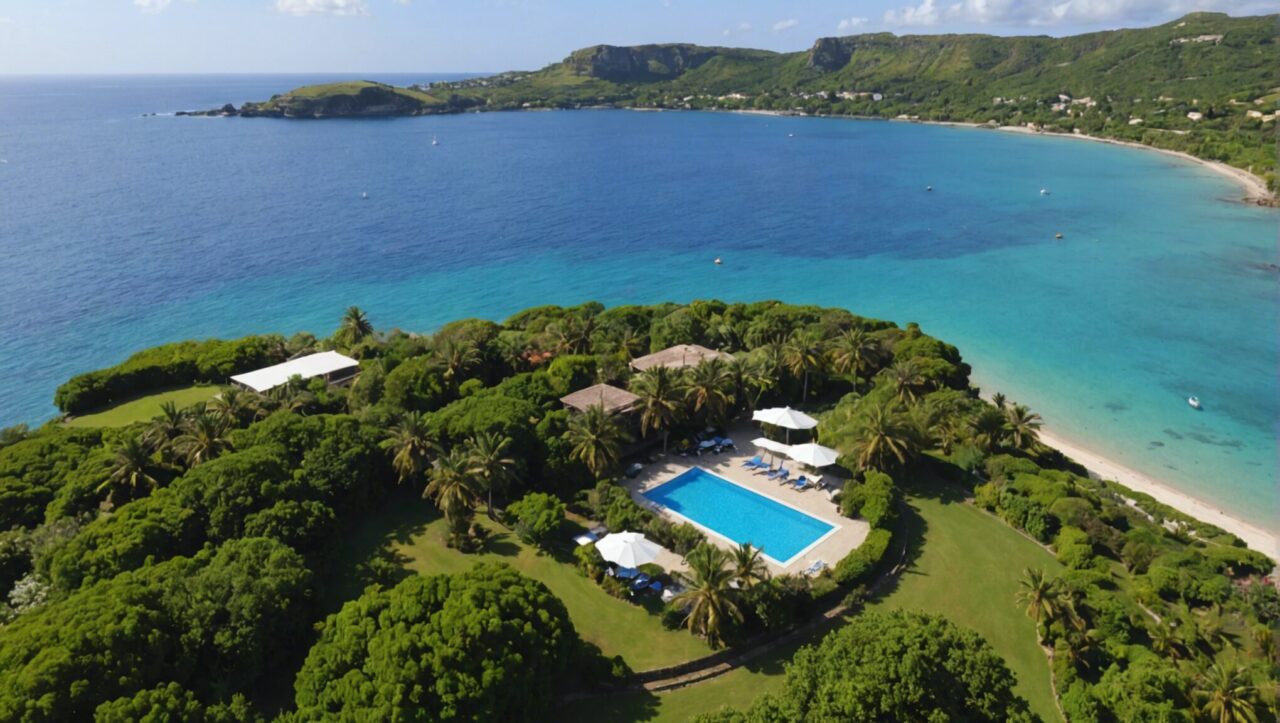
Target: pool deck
815, 502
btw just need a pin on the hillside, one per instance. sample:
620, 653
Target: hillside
353, 99
1205, 84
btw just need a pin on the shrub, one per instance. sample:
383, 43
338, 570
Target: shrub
858, 566
589, 561
538, 516
875, 499
1073, 548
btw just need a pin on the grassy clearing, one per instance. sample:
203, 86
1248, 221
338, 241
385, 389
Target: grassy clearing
411, 534
966, 566
144, 408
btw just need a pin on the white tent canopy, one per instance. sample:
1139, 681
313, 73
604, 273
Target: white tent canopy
312, 365
814, 455
784, 417
628, 549
772, 446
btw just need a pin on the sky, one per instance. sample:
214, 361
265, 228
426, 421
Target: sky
301, 36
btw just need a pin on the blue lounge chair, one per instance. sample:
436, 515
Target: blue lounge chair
816, 568
656, 586
754, 462
779, 473
641, 582
627, 573
801, 483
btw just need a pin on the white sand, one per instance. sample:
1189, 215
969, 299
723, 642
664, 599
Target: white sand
1102, 468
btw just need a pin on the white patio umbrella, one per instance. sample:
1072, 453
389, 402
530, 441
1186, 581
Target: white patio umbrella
771, 446
785, 417
814, 455
628, 549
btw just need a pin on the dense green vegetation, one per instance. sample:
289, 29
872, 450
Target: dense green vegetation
1204, 84
146, 407
199, 562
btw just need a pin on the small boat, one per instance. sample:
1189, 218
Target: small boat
791, 135
364, 196
928, 188
1044, 192
434, 141
1194, 401
1058, 235
718, 261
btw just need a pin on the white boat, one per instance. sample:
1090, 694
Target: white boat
718, 261
364, 195
1194, 402
434, 141
1044, 192
928, 188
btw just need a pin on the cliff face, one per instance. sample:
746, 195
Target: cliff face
638, 63
830, 54
370, 101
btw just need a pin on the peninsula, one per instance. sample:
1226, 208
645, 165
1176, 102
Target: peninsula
1204, 85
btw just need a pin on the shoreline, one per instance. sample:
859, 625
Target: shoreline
1100, 467
1255, 188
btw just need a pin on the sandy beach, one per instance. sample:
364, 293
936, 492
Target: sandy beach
1103, 468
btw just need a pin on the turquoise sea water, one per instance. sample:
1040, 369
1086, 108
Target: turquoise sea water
739, 514
118, 232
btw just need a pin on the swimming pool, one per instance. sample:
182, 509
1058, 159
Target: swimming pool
740, 515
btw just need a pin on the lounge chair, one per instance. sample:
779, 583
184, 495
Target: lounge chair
781, 473
801, 483
627, 573
642, 581
754, 462
656, 586
816, 568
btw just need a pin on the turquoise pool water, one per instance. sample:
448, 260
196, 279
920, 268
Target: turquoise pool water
737, 513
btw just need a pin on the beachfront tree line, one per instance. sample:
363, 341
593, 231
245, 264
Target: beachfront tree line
470, 417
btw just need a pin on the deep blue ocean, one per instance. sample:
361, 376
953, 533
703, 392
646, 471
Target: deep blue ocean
119, 231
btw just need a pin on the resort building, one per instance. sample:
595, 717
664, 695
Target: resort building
332, 366
611, 398
678, 357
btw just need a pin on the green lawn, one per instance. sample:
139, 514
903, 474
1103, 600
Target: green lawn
412, 534
967, 566
144, 408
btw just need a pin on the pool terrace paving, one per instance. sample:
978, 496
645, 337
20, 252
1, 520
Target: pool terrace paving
815, 502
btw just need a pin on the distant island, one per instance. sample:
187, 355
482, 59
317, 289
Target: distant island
1204, 85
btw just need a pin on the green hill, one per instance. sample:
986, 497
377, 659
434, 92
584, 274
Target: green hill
1206, 84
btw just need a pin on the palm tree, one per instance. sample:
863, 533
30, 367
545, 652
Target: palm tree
457, 356
452, 487
709, 599
749, 568
204, 438
708, 388
1165, 640
802, 355
882, 437
596, 440
490, 466
1041, 597
908, 381
411, 444
755, 376
1226, 694
854, 352
235, 405
572, 334
1264, 642
354, 328
661, 392
165, 428
999, 399
131, 469
988, 429
1022, 424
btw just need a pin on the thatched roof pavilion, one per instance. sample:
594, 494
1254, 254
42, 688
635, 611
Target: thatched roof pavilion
613, 399
679, 356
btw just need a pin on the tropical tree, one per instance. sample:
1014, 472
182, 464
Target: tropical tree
1226, 694
749, 568
235, 405
710, 601
802, 355
1000, 400
908, 380
411, 445
709, 389
572, 334
203, 438
457, 357
354, 328
661, 392
1165, 639
1041, 597
1022, 425
596, 440
132, 467
454, 489
165, 428
753, 376
492, 468
854, 352
987, 429
881, 437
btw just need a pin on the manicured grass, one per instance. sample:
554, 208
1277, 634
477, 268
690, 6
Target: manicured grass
412, 534
966, 566
144, 408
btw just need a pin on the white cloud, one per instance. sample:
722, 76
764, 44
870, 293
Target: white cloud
741, 28
926, 13
853, 23
783, 25
151, 7
322, 7
402, 2
6, 20
1038, 13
